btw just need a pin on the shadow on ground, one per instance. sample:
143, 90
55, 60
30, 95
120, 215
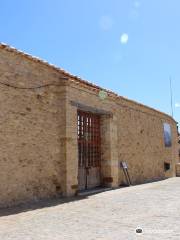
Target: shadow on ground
30, 206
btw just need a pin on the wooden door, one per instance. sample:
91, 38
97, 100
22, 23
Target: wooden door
88, 150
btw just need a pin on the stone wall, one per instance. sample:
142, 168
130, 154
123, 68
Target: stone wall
32, 131
178, 169
132, 133
38, 133
141, 144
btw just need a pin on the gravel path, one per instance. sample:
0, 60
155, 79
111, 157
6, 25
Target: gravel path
111, 215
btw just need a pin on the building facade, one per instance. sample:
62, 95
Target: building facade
60, 134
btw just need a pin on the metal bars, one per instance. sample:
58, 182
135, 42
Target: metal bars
89, 139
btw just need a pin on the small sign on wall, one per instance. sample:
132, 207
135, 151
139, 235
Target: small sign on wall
167, 135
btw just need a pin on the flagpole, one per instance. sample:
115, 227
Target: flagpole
172, 112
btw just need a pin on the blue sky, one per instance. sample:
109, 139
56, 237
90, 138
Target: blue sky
128, 46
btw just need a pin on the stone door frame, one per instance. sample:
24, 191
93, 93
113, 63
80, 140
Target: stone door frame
109, 149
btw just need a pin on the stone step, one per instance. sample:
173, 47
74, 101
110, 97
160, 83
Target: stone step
93, 191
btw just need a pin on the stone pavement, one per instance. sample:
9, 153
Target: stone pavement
111, 215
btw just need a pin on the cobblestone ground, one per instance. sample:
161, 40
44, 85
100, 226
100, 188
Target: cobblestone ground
111, 215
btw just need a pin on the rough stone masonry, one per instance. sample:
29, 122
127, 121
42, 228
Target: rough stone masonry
38, 132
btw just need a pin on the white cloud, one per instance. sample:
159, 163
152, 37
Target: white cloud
106, 23
177, 105
137, 4
124, 38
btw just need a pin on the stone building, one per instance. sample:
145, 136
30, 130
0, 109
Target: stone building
60, 134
